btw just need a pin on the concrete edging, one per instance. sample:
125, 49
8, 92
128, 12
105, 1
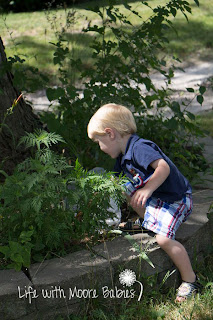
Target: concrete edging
97, 269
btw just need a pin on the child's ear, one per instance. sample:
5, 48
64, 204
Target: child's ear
110, 132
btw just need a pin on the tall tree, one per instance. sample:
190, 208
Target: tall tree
21, 120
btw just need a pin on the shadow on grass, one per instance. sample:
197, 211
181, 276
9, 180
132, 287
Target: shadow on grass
190, 37
41, 54
188, 33
100, 3
76, 41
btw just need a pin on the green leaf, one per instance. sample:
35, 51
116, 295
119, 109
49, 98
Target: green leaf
173, 11
55, 94
147, 82
143, 255
190, 89
5, 250
197, 2
109, 13
4, 173
26, 257
16, 257
175, 106
167, 275
125, 48
200, 99
202, 89
188, 9
15, 265
25, 236
190, 115
14, 246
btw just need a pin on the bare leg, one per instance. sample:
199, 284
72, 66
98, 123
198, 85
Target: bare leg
179, 256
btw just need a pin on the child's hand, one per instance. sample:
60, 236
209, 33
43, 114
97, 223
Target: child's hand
140, 197
162, 171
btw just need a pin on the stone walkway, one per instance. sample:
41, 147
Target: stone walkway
194, 75
208, 153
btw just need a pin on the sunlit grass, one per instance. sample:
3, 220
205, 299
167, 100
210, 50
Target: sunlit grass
205, 120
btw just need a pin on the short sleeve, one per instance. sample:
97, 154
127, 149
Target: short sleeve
144, 154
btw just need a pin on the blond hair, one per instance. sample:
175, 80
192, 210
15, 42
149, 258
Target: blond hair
111, 115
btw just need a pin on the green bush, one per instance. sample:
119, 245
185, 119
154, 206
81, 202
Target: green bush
35, 221
122, 65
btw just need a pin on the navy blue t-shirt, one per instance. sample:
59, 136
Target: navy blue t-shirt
136, 160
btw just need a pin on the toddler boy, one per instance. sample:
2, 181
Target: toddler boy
158, 185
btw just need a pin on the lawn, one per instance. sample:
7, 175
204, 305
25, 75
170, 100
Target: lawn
29, 35
205, 120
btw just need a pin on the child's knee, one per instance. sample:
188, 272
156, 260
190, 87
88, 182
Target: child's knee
163, 241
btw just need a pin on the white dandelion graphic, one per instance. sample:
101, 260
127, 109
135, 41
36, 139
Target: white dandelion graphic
128, 278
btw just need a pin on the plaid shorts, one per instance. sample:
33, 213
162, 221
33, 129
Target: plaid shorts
164, 217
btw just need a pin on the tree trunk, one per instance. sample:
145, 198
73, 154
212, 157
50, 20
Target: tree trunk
22, 120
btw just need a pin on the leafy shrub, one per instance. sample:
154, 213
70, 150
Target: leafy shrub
122, 68
34, 218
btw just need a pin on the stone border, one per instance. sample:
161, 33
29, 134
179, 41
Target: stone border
99, 268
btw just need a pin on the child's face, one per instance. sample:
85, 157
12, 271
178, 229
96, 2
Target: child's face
108, 145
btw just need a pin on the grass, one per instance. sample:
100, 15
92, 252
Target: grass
29, 34
205, 120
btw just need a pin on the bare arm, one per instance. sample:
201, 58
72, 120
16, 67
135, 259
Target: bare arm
162, 171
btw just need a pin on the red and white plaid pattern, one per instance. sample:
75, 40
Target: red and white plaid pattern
165, 218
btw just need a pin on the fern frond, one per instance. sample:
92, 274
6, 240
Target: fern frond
25, 165
40, 137
36, 204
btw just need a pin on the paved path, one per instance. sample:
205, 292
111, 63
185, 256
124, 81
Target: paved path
193, 76
208, 153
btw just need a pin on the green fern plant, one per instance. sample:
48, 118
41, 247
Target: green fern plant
33, 198
41, 137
